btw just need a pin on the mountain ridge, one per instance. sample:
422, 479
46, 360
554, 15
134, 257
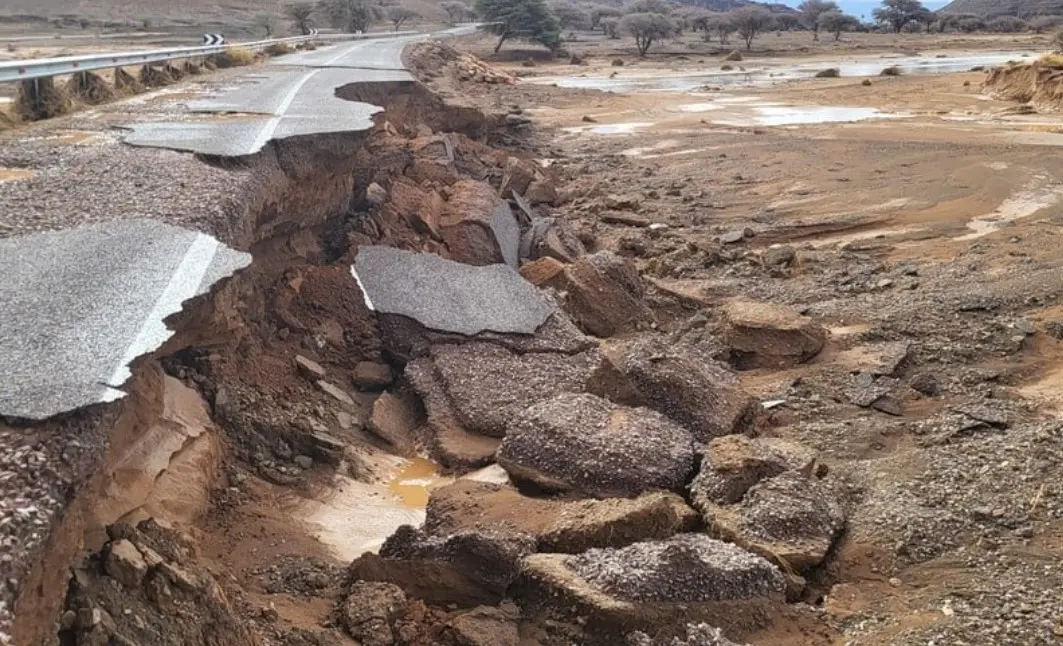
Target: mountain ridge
993, 8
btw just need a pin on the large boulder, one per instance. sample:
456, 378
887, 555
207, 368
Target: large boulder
763, 335
653, 586
767, 496
569, 526
678, 381
466, 568
604, 295
585, 444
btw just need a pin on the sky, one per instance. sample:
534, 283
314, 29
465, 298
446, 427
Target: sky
865, 7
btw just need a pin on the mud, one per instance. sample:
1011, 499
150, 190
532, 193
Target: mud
227, 496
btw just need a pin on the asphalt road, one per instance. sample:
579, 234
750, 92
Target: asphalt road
80, 304
295, 96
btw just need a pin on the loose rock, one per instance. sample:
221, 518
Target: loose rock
763, 335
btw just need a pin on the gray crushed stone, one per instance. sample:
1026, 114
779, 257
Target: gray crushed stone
688, 568
696, 635
490, 385
584, 443
792, 507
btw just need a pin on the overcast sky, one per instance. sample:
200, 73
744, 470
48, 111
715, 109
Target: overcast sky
864, 7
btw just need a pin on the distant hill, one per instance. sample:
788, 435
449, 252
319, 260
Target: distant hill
1021, 8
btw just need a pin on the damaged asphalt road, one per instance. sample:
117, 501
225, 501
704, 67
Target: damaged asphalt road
80, 305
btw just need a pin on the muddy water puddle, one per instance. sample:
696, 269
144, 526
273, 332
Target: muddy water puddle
1032, 198
357, 517
769, 114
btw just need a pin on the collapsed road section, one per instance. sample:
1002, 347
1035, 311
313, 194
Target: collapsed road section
430, 410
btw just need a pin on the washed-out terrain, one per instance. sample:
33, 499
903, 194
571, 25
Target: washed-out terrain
621, 352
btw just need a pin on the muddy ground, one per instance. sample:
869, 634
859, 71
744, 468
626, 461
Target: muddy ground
874, 300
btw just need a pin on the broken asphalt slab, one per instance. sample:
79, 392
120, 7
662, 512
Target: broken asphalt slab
448, 296
81, 304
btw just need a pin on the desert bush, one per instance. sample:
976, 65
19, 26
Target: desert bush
1043, 24
279, 49
892, 70
611, 27
970, 24
1008, 25
234, 57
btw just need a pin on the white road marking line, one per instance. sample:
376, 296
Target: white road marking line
270, 127
183, 284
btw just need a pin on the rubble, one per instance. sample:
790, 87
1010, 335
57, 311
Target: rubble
653, 585
466, 568
763, 335
585, 444
604, 295
478, 227
449, 296
679, 382
557, 525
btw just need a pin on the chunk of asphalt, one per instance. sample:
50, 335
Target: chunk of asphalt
448, 296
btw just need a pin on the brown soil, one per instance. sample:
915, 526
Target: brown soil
953, 515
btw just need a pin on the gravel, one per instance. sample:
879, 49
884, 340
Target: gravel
687, 568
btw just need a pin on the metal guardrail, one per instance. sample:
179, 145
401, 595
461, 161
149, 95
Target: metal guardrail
12, 71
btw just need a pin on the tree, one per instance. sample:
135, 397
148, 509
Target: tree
528, 19
1044, 24
811, 10
898, 13
571, 16
457, 11
647, 28
267, 22
750, 21
835, 22
722, 26
1008, 25
600, 11
702, 21
611, 26
970, 24
399, 15
300, 13
649, 6
788, 21
351, 15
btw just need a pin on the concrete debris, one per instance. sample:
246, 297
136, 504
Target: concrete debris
604, 295
370, 611
696, 635
766, 495
369, 375
449, 296
486, 626
582, 443
679, 382
558, 525
731, 465
478, 227
308, 368
467, 568
791, 519
125, 564
394, 419
652, 585
764, 335
688, 568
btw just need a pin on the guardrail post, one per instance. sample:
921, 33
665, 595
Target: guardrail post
40, 100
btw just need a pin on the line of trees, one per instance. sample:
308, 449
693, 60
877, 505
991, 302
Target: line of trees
648, 22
